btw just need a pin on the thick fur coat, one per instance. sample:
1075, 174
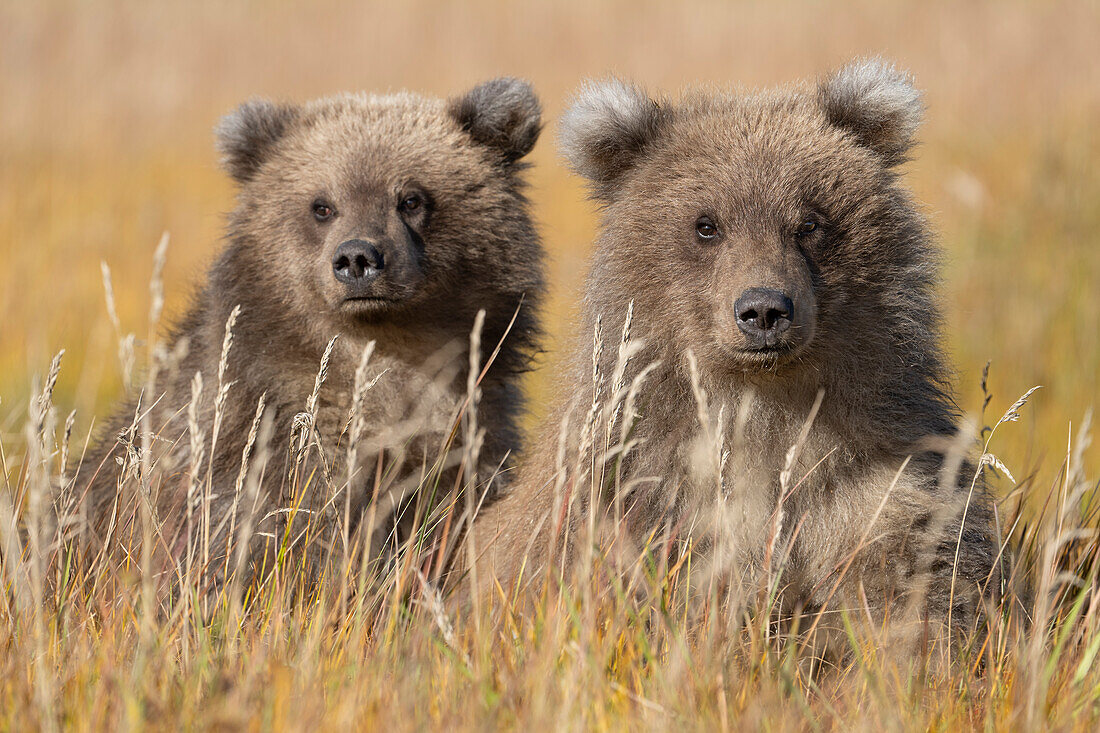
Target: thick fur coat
705, 425
390, 220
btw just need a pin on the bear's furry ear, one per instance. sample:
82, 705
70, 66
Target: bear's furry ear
503, 114
246, 135
876, 103
606, 128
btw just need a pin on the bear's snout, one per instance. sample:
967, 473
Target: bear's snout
763, 315
356, 264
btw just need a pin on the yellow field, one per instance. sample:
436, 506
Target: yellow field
106, 112
108, 108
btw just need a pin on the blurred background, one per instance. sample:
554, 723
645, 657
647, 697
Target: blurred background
107, 110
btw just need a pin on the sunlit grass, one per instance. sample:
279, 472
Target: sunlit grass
95, 635
106, 145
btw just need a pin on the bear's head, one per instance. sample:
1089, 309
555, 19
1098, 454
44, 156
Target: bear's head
761, 231
357, 210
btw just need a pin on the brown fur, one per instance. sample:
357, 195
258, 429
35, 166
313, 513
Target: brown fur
851, 531
471, 245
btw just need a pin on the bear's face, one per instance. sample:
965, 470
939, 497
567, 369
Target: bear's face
745, 228
361, 209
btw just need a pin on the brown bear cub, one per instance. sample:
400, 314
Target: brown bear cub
388, 222
767, 383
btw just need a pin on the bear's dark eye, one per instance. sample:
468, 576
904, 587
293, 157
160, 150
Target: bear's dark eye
807, 227
411, 203
705, 228
322, 211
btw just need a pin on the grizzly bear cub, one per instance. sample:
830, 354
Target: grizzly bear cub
766, 381
388, 222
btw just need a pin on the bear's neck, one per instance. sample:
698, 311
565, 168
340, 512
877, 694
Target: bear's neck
879, 418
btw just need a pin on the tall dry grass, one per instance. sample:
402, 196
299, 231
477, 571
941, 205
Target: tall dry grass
104, 144
98, 634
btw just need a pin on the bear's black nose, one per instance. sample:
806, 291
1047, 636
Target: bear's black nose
357, 261
763, 314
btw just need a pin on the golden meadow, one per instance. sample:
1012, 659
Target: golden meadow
106, 111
